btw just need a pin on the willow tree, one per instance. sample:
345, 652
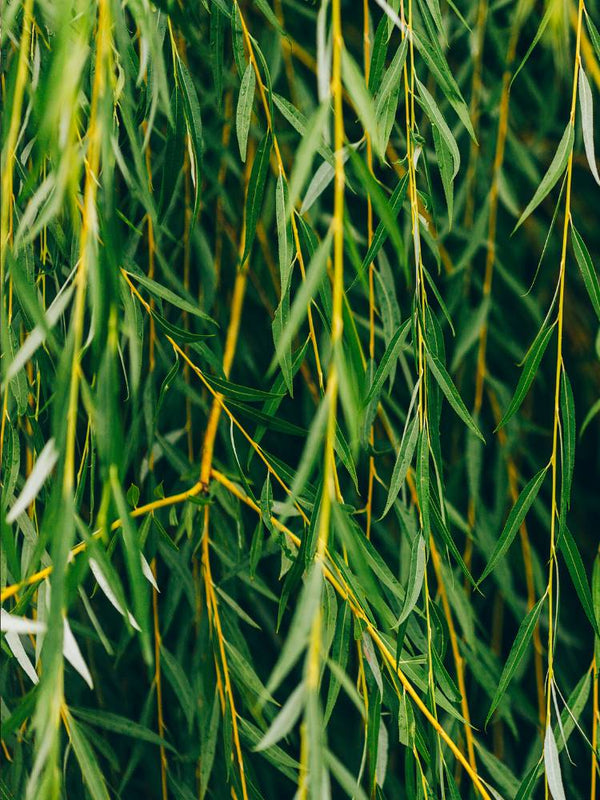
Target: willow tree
299, 336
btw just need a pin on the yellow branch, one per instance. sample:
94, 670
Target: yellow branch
345, 593
559, 371
174, 499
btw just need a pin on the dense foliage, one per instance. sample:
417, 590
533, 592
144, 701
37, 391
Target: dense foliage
300, 393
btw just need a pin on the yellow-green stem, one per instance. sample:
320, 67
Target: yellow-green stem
559, 369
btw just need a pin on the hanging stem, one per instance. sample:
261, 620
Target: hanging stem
559, 370
331, 396
8, 166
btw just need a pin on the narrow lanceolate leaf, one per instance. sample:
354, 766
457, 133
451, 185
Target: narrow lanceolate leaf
282, 235
44, 465
528, 372
437, 119
540, 31
415, 577
446, 167
309, 287
362, 101
244, 109
444, 381
256, 188
134, 564
297, 637
588, 272
73, 655
285, 719
318, 183
38, 335
514, 520
381, 233
570, 551
594, 34
115, 723
423, 484
311, 141
90, 769
516, 654
380, 202
388, 95
555, 170
388, 362
193, 121
586, 104
16, 647
176, 676
552, 765
404, 459
164, 293
569, 437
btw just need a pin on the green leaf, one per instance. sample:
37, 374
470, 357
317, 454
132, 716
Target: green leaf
444, 381
555, 170
193, 121
208, 746
388, 362
446, 167
354, 81
517, 651
416, 572
552, 764
388, 95
588, 272
134, 566
436, 118
381, 204
158, 290
285, 719
244, 109
309, 287
441, 528
297, 636
44, 464
90, 769
594, 410
594, 35
531, 363
380, 236
586, 103
180, 684
256, 188
568, 439
299, 122
115, 723
242, 394
514, 520
423, 483
570, 551
540, 31
310, 144
404, 459
283, 239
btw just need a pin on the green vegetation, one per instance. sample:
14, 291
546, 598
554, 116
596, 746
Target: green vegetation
300, 378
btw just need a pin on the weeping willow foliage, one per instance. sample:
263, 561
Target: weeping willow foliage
300, 393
